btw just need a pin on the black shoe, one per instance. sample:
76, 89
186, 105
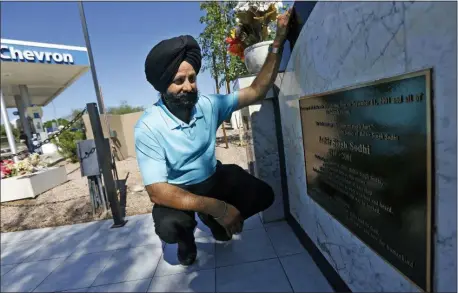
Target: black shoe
219, 233
187, 253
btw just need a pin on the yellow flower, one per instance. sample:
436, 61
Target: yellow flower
233, 33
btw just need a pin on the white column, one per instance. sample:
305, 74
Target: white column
26, 102
24, 91
9, 131
22, 116
236, 119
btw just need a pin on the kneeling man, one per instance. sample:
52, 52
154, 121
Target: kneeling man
175, 146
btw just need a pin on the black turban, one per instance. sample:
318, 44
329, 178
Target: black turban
163, 61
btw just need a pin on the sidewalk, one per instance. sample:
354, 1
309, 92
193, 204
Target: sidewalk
91, 257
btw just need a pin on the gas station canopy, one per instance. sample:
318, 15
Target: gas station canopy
32, 75
46, 70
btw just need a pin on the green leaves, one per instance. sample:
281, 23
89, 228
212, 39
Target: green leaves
59, 121
219, 19
3, 131
67, 144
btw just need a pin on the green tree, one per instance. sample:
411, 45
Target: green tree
67, 144
16, 131
77, 124
2, 130
63, 121
48, 124
210, 41
124, 108
219, 19
233, 66
236, 68
59, 121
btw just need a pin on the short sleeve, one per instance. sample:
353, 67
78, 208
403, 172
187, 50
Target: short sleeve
150, 157
225, 105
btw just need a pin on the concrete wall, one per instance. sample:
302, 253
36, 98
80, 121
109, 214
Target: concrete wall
128, 123
122, 128
348, 43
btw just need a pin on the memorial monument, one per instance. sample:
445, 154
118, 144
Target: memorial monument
359, 142
368, 124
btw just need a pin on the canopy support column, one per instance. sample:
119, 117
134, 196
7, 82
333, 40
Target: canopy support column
23, 118
8, 129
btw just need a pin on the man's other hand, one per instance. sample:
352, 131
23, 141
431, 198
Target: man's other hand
232, 221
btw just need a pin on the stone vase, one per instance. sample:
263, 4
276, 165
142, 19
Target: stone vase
255, 56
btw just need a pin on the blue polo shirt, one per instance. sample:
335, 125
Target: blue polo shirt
169, 150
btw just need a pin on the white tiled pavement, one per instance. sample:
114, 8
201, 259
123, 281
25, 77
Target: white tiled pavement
91, 257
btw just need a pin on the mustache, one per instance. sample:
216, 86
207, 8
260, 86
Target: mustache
187, 100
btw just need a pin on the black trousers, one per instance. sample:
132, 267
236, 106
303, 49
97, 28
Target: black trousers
231, 184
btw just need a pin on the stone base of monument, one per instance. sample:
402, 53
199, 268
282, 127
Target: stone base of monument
31, 185
261, 137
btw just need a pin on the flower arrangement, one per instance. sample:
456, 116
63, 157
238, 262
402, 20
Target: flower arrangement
254, 20
7, 167
29, 165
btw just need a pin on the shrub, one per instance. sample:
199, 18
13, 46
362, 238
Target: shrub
67, 144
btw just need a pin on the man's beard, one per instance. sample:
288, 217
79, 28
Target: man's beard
181, 101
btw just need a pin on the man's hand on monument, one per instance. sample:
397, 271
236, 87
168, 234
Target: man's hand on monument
266, 77
282, 27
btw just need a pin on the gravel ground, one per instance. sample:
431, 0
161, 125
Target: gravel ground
69, 203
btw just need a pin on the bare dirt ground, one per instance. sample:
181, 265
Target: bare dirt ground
69, 203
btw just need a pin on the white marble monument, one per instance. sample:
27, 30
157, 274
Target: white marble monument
344, 44
262, 145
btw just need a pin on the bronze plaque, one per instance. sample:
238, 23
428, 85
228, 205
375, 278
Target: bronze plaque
368, 157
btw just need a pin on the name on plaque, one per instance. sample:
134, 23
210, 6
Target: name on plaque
368, 156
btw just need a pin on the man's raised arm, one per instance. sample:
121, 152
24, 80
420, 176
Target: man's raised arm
266, 77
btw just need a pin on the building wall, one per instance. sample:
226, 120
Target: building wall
348, 43
122, 126
128, 122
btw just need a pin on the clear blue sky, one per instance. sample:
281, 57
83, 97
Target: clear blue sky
121, 34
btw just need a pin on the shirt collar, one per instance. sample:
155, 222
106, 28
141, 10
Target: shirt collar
172, 121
